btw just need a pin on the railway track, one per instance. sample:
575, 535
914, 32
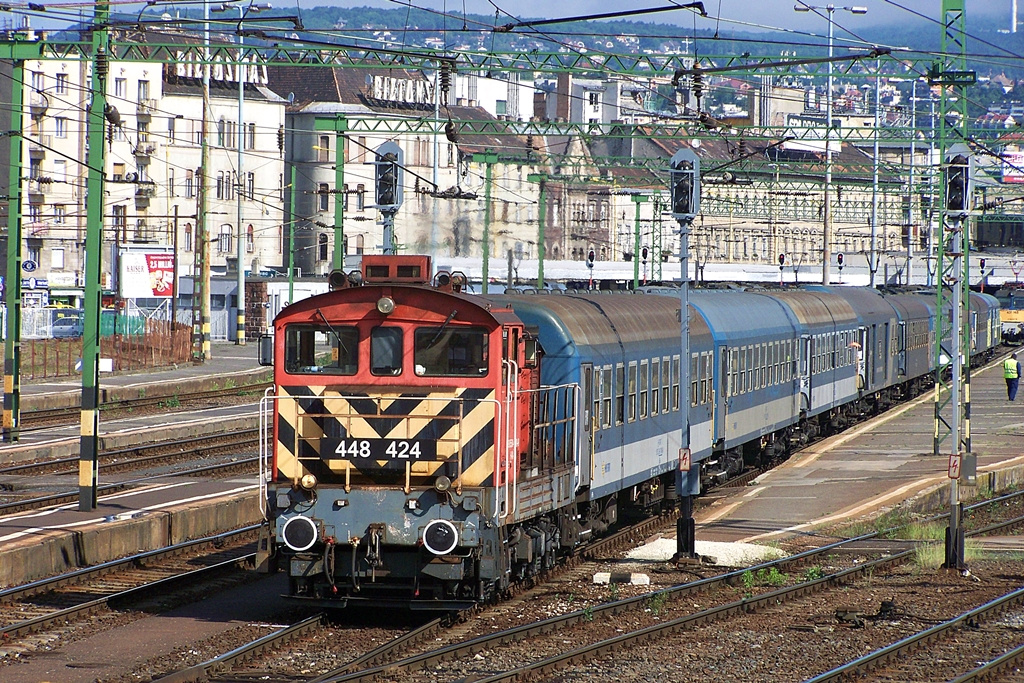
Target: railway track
36, 420
133, 459
391, 661
54, 602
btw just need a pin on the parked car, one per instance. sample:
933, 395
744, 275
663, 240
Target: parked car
67, 328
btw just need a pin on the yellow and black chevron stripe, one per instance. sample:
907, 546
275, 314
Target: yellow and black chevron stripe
460, 421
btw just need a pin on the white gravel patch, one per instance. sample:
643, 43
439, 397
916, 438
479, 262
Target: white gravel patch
725, 554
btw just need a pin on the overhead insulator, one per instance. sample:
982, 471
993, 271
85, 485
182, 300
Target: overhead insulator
698, 84
743, 146
102, 64
280, 139
446, 79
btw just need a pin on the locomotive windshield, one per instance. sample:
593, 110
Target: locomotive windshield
451, 351
386, 351
318, 349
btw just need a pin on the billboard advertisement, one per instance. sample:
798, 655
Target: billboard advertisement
147, 275
1013, 165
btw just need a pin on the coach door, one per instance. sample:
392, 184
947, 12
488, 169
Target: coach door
721, 397
901, 349
590, 408
863, 354
806, 349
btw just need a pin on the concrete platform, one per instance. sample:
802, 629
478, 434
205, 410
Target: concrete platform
880, 464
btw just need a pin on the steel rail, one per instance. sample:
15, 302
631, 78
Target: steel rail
995, 667
82, 575
910, 643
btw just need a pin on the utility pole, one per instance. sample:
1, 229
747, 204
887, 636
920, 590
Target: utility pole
952, 340
542, 179
488, 159
12, 282
338, 124
88, 463
873, 259
201, 347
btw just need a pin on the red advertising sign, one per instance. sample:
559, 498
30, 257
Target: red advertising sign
147, 274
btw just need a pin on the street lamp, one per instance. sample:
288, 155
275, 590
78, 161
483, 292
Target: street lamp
827, 222
240, 71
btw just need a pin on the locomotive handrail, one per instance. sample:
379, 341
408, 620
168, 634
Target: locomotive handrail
265, 451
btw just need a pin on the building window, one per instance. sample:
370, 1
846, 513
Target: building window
120, 87
60, 170
224, 239
360, 197
250, 185
359, 245
500, 107
324, 194
323, 150
188, 237
250, 239
594, 99
34, 169
120, 222
35, 213
57, 259
38, 81
62, 84
143, 90
171, 128
250, 138
220, 184
221, 132
60, 213
143, 131
141, 230
321, 247
190, 190
118, 171
33, 252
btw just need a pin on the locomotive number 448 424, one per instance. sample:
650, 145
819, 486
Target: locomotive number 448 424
379, 449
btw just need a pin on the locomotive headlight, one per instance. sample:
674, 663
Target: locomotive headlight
442, 484
440, 537
386, 305
308, 482
299, 533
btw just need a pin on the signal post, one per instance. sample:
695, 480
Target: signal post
684, 187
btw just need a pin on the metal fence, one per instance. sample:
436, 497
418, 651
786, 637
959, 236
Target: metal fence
153, 344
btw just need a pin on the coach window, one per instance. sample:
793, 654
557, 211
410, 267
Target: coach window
655, 385
664, 384
675, 382
643, 389
455, 351
694, 378
620, 394
386, 351
598, 389
606, 397
301, 355
632, 391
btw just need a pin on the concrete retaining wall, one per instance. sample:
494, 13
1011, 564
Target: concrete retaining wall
34, 557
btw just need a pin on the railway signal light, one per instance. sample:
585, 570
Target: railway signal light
782, 261
839, 260
388, 175
958, 184
590, 258
644, 253
982, 266
684, 184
